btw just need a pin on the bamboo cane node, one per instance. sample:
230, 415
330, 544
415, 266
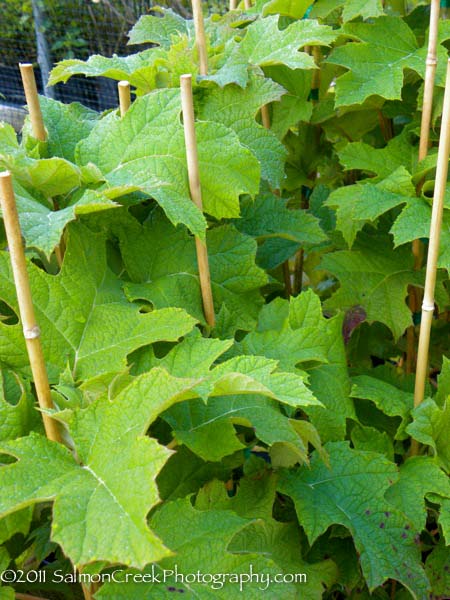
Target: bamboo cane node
32, 334
431, 61
428, 307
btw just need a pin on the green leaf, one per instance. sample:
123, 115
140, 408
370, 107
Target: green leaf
89, 496
281, 542
352, 8
42, 228
375, 277
209, 432
268, 217
289, 332
443, 382
288, 8
200, 537
376, 64
391, 400
50, 176
16, 522
430, 426
147, 148
83, 314
139, 69
66, 125
236, 108
161, 261
419, 476
159, 30
17, 411
351, 493
437, 568
185, 472
399, 152
370, 439
265, 44
294, 106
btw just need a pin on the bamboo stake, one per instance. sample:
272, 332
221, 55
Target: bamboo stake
200, 38
30, 328
430, 73
233, 4
31, 95
196, 193
124, 96
433, 248
417, 246
247, 4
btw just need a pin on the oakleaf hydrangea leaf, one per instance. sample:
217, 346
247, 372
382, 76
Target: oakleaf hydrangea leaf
391, 400
370, 274
295, 105
419, 476
83, 314
288, 8
88, 495
268, 217
200, 537
430, 426
236, 108
147, 147
376, 64
295, 333
17, 408
66, 125
139, 69
159, 30
351, 492
42, 227
352, 8
161, 261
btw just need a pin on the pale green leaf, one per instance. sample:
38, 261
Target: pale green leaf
42, 228
265, 44
147, 148
83, 314
236, 108
352, 8
89, 495
66, 125
139, 69
159, 30
289, 8
386, 47
161, 261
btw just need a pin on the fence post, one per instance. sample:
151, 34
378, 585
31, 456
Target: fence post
43, 52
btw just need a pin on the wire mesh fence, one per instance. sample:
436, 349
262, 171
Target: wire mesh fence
44, 32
